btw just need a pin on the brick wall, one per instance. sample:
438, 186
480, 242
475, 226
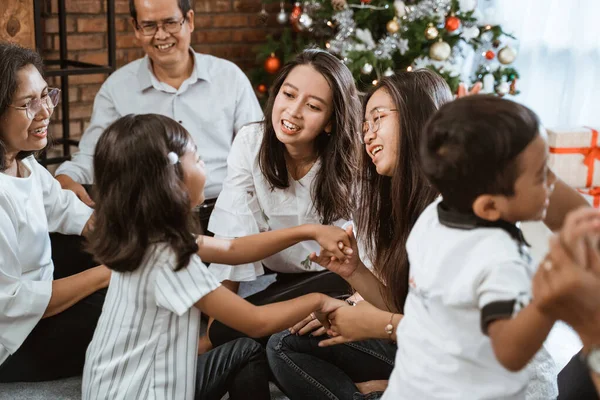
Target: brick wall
225, 28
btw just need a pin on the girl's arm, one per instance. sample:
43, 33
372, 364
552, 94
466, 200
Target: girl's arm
355, 273
563, 200
68, 291
260, 321
262, 245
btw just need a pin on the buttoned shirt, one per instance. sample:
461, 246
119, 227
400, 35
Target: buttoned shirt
212, 104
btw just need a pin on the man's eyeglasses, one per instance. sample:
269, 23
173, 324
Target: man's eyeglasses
374, 125
150, 28
33, 106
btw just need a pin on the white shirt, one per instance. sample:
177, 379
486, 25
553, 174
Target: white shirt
146, 343
247, 205
454, 274
212, 104
30, 207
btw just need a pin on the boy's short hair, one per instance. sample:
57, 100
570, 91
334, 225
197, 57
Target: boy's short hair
470, 148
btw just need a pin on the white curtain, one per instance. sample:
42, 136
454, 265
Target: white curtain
558, 57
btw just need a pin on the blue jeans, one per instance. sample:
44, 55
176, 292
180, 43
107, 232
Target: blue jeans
303, 370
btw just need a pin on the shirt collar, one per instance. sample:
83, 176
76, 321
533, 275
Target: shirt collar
200, 71
459, 220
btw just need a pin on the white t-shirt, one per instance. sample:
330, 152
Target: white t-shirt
247, 205
146, 343
30, 208
459, 276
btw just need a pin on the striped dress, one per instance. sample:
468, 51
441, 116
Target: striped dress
146, 342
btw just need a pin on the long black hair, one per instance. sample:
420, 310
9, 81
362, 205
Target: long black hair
334, 182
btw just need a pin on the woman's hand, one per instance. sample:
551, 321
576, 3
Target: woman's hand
462, 89
308, 325
66, 182
361, 322
334, 240
580, 230
328, 305
344, 268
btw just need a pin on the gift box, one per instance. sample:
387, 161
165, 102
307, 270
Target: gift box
592, 195
575, 156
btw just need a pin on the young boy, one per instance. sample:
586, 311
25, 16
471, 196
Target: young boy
468, 330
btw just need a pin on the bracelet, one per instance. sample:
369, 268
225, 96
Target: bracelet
389, 328
350, 302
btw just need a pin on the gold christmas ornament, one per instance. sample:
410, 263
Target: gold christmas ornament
440, 51
431, 32
507, 55
393, 26
338, 5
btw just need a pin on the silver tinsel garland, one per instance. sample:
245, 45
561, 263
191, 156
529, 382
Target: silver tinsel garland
425, 8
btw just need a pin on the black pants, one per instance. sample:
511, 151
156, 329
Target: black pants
56, 347
239, 367
574, 381
286, 287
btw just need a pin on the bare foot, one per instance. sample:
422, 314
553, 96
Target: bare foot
371, 386
204, 344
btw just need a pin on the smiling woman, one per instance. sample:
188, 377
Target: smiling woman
39, 317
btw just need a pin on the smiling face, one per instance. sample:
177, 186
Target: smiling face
303, 106
382, 145
17, 130
166, 50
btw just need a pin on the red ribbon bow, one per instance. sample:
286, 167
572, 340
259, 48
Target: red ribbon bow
591, 154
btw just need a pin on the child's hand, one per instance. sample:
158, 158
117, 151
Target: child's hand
344, 268
328, 305
334, 240
462, 89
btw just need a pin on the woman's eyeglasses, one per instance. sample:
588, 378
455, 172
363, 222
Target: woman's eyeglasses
150, 28
33, 106
374, 124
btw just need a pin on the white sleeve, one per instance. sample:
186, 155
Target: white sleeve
65, 212
178, 291
237, 211
247, 108
502, 290
81, 166
22, 302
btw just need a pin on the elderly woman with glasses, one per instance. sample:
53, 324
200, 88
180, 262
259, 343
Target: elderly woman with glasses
46, 324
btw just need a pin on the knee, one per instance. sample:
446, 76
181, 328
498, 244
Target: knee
248, 349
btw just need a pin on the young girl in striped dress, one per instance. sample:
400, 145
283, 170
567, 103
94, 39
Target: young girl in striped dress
148, 178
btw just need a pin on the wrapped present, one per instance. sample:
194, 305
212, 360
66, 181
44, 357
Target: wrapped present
592, 195
575, 156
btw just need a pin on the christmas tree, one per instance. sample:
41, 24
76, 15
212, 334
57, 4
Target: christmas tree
374, 38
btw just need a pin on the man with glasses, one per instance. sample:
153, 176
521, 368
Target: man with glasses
210, 97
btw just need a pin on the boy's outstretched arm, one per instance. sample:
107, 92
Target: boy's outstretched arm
515, 341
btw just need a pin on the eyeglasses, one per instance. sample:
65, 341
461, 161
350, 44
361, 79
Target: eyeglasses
374, 125
33, 106
150, 28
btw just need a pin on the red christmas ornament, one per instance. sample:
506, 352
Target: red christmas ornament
262, 88
365, 1
272, 64
490, 55
452, 23
295, 16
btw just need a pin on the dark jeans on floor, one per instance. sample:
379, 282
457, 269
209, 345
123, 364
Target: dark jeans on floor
239, 367
574, 381
286, 287
56, 347
303, 370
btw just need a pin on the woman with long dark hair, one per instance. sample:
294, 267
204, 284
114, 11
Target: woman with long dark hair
297, 166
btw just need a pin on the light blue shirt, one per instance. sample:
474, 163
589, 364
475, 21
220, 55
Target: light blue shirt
212, 104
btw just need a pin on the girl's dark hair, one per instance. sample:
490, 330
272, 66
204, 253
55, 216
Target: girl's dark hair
333, 185
12, 58
388, 207
470, 133
140, 196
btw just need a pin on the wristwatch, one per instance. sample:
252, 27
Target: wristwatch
592, 359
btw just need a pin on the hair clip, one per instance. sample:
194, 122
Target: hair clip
173, 158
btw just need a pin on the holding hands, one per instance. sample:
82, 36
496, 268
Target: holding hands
334, 241
567, 284
331, 260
